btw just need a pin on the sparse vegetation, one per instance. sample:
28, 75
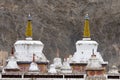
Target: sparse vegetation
59, 24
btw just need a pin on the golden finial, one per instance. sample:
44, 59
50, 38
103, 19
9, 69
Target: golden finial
28, 32
86, 33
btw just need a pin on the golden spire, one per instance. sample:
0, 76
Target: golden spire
86, 33
28, 32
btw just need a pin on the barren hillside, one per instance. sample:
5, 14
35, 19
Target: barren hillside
59, 23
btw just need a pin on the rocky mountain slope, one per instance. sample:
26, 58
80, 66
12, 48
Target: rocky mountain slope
59, 24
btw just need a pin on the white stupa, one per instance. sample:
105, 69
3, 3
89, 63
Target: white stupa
24, 49
113, 70
66, 68
94, 63
33, 66
85, 46
12, 64
52, 69
69, 59
57, 61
